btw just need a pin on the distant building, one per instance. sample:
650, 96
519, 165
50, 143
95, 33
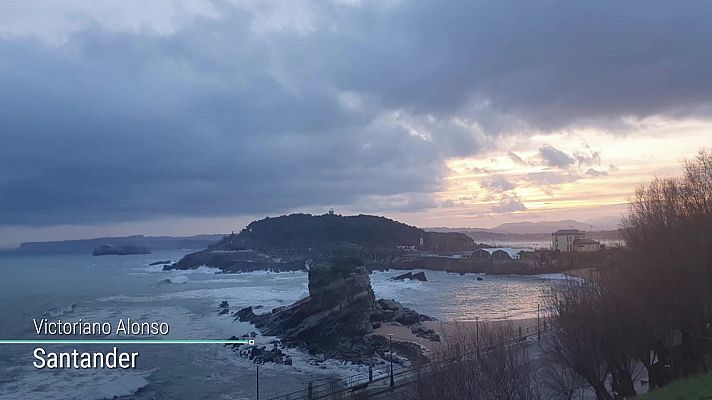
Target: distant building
567, 240
407, 247
496, 253
586, 245
563, 239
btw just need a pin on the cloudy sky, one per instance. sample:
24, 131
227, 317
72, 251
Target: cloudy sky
187, 116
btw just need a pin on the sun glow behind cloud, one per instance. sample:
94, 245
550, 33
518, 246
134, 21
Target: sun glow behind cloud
597, 172
185, 116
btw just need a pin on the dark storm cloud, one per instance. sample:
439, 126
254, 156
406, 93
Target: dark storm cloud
112, 128
554, 157
548, 63
219, 118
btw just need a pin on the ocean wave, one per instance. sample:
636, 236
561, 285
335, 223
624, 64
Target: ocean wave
75, 384
265, 295
384, 287
58, 312
119, 297
200, 270
176, 279
153, 268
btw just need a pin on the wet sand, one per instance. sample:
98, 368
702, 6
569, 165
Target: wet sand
454, 329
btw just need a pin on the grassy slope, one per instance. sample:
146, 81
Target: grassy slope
699, 388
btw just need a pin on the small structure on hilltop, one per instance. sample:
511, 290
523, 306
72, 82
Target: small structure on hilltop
568, 240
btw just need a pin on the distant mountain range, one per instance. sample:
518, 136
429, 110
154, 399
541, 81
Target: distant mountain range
528, 228
543, 226
523, 232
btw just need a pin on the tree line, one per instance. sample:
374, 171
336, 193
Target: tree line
646, 316
652, 309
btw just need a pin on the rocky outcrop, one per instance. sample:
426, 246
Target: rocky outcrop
425, 333
332, 320
160, 262
418, 276
261, 354
108, 249
337, 316
393, 311
232, 261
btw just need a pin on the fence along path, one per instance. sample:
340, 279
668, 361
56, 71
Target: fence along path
376, 382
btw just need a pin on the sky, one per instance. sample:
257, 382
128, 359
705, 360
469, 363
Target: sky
181, 117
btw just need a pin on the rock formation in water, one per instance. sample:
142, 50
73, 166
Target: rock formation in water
418, 276
337, 316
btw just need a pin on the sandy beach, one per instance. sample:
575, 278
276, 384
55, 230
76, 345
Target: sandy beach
455, 329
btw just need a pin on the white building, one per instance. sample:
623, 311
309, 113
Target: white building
586, 245
563, 239
573, 240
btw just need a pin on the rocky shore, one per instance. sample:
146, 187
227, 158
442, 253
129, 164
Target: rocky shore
232, 261
338, 317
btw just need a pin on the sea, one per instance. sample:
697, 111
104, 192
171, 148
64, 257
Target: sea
108, 288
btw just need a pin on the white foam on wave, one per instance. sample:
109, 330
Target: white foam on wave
558, 277
303, 368
244, 296
153, 268
225, 280
177, 279
269, 296
119, 297
384, 287
58, 312
74, 384
200, 270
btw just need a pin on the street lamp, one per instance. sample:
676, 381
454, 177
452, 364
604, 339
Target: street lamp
538, 330
390, 352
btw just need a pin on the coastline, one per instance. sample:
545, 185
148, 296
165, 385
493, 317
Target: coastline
453, 329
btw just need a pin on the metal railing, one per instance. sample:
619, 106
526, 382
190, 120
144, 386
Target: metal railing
327, 388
